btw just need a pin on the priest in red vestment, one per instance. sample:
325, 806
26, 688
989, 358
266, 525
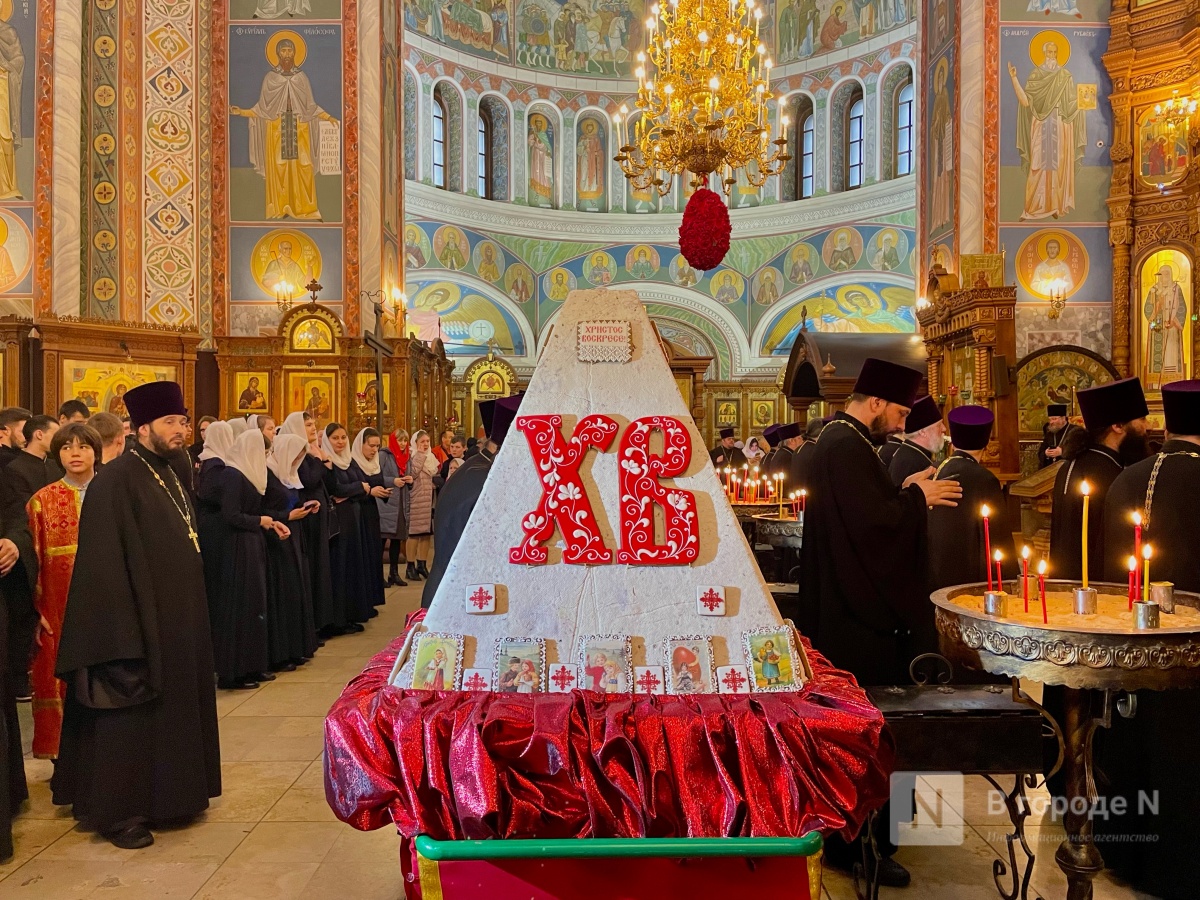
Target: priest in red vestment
54, 527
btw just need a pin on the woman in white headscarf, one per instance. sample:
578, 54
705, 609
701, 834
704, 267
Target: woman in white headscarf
319, 528
218, 441
365, 452
237, 584
351, 586
291, 633
239, 426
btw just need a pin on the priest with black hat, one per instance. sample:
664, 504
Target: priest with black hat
864, 559
956, 540
726, 453
1054, 434
458, 498
1115, 418
771, 439
788, 439
1152, 752
924, 436
139, 738
802, 458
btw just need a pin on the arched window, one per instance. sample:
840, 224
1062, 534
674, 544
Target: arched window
855, 115
807, 132
439, 142
904, 130
484, 150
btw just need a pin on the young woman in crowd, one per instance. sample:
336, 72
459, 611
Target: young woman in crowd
319, 528
393, 464
418, 511
291, 633
54, 526
237, 594
350, 583
365, 453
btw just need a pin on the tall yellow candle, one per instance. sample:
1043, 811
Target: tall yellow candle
1086, 490
1146, 554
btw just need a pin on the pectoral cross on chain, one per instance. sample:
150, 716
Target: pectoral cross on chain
195, 538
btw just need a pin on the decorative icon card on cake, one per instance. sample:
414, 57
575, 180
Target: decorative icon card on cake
520, 665
477, 680
689, 665
437, 661
563, 678
772, 659
606, 664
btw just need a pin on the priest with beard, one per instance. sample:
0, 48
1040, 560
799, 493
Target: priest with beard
802, 458
727, 453
924, 435
864, 559
1114, 436
139, 742
458, 498
1151, 752
1055, 432
788, 439
771, 439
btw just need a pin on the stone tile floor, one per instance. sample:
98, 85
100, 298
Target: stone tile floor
271, 836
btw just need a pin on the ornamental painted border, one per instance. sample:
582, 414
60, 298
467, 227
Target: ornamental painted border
543, 684
711, 670
459, 664
798, 667
624, 639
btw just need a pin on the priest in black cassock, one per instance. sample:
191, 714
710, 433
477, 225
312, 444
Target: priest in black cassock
458, 498
864, 558
139, 739
1115, 418
1054, 434
802, 458
889, 448
1154, 752
956, 545
924, 436
726, 453
771, 439
788, 439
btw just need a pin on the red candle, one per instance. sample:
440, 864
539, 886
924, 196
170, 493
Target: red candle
1042, 590
987, 545
999, 574
1025, 575
1137, 552
1133, 580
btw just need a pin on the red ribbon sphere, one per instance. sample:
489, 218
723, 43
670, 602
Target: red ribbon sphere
704, 232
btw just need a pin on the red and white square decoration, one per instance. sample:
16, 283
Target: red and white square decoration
710, 600
476, 680
649, 680
481, 599
733, 680
563, 678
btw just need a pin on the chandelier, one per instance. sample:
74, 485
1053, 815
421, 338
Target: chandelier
703, 88
1175, 114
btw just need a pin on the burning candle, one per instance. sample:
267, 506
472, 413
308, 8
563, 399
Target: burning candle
1042, 590
1147, 552
727, 471
1137, 549
1086, 490
803, 498
779, 493
1025, 575
999, 575
1133, 573
987, 544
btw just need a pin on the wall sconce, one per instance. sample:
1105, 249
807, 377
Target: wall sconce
1058, 298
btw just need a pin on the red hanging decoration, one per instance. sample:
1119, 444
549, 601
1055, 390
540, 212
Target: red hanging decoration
564, 500
640, 490
704, 232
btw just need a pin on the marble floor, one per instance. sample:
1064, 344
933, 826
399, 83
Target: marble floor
271, 836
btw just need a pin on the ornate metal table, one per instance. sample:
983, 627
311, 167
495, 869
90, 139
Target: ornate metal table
1092, 665
782, 534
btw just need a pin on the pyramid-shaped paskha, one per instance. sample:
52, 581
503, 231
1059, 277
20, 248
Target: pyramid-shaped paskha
561, 601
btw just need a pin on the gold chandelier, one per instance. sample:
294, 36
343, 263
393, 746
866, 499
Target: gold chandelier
1176, 113
703, 87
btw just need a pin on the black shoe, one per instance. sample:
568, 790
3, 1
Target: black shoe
135, 837
393, 578
892, 874
283, 667
410, 572
236, 684
24, 693
421, 570
354, 628
262, 676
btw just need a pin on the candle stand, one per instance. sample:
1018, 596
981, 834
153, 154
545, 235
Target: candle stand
782, 534
1093, 665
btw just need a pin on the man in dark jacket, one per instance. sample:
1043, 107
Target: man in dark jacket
12, 433
924, 435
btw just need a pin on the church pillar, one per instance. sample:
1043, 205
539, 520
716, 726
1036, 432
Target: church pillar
821, 144
567, 144
471, 151
520, 149
870, 134
58, 279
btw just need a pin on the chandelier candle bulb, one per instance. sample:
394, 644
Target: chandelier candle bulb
1041, 574
1025, 575
1086, 490
987, 544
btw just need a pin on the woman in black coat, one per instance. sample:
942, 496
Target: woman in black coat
291, 632
365, 453
350, 585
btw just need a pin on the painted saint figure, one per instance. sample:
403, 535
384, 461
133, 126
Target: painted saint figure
887, 258
941, 127
12, 73
1166, 312
768, 291
252, 397
842, 257
1051, 135
285, 139
434, 672
277, 9
541, 162
1052, 274
590, 165
282, 268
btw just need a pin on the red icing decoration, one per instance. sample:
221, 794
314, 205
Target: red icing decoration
704, 231
711, 599
640, 490
734, 680
476, 683
480, 598
564, 500
649, 682
563, 678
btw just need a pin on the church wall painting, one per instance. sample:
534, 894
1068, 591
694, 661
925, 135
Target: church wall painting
540, 160
805, 28
481, 28
315, 391
253, 390
18, 71
285, 10
1163, 309
16, 251
868, 307
1070, 11
941, 161
101, 385
1163, 154
464, 318
595, 38
591, 164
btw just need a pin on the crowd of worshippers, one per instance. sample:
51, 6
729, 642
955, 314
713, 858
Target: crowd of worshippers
291, 525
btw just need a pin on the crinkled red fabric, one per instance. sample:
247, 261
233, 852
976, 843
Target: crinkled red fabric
475, 765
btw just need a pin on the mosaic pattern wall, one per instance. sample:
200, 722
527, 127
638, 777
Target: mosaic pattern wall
18, 76
939, 118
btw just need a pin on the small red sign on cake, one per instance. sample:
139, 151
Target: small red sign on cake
608, 341
710, 600
476, 680
563, 678
733, 680
481, 598
648, 680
